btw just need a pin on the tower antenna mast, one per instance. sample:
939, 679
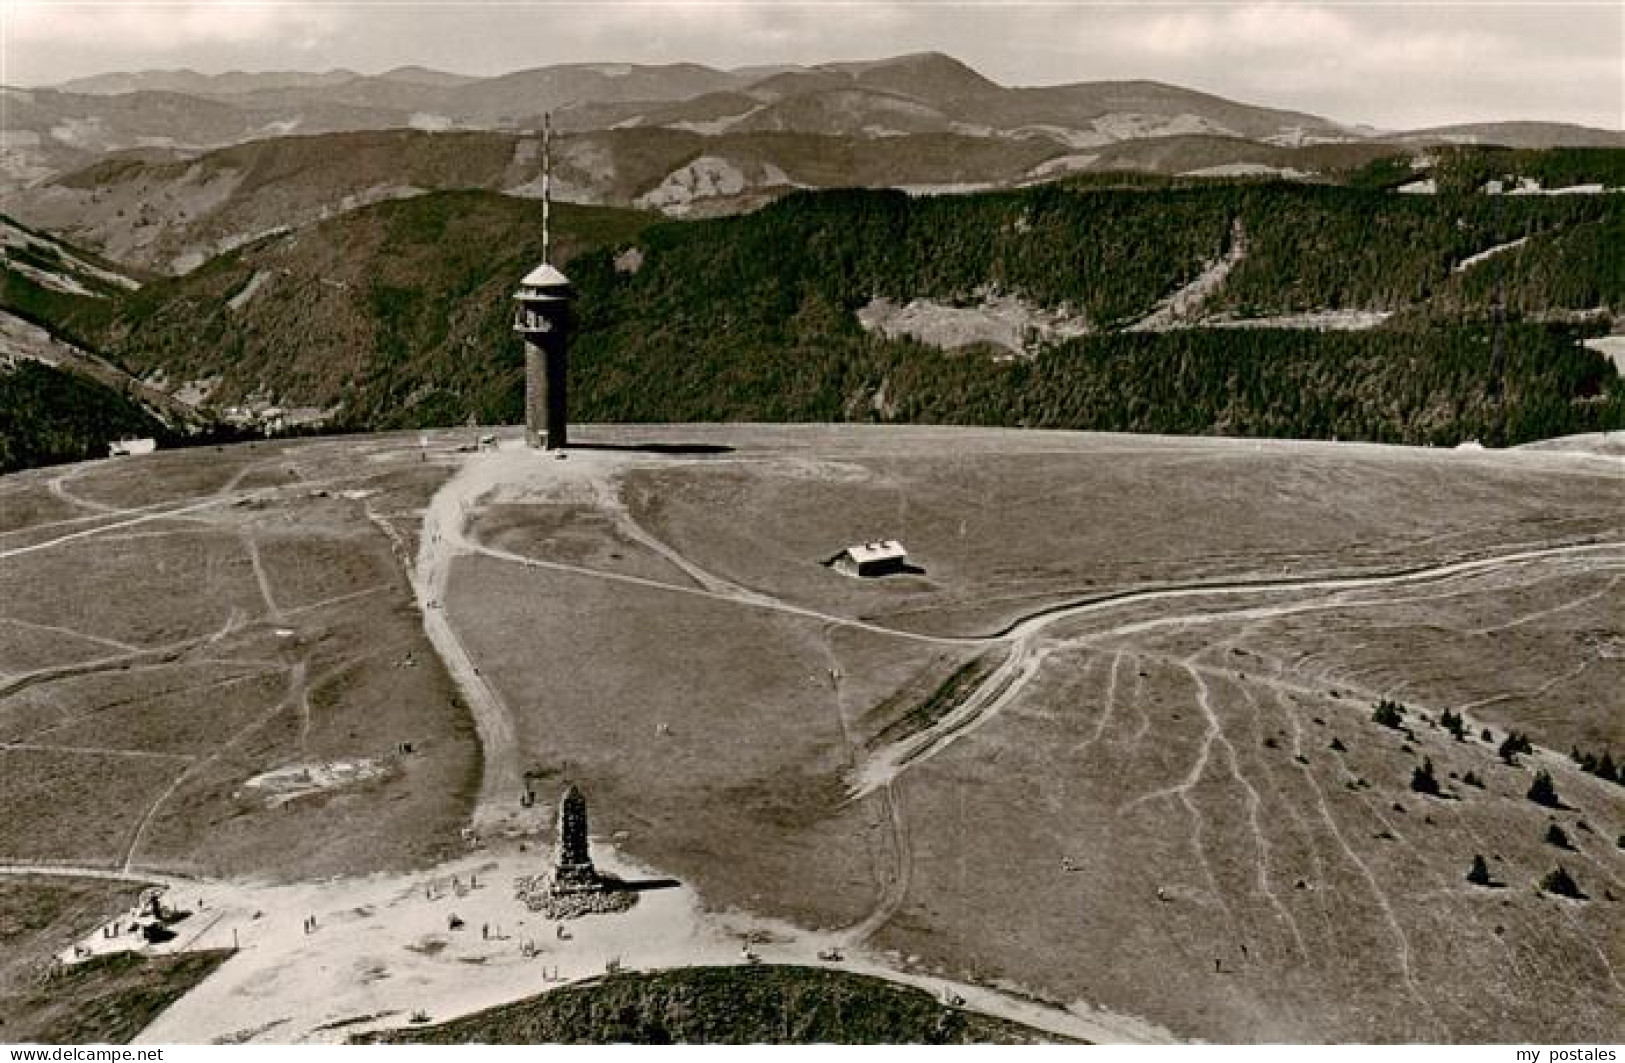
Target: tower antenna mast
547, 184
543, 318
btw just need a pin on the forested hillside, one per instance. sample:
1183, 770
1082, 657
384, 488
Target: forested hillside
399, 311
49, 415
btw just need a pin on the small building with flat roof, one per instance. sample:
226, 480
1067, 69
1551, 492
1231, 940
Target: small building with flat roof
123, 448
864, 560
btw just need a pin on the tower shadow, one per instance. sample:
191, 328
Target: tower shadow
657, 448
637, 885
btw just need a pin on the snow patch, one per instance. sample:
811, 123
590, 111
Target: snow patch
1072, 138
275, 129
1128, 125
948, 188
716, 126
1611, 348
629, 261
1246, 169
704, 178
23, 340
13, 237
1061, 164
56, 282
592, 159
1528, 187
88, 133
1472, 260
240, 300
1004, 321
1318, 320
196, 392
293, 781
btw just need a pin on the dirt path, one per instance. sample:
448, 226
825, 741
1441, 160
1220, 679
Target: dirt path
383, 948
442, 540
899, 875
1000, 688
688, 936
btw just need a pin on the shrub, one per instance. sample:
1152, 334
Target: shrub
1561, 884
1543, 792
1388, 713
1556, 836
1423, 780
1512, 745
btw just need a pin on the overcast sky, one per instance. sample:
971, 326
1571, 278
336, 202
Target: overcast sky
1390, 64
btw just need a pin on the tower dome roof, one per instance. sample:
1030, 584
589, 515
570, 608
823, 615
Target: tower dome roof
545, 276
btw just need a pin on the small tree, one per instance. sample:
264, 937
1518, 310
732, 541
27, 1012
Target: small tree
1423, 780
1479, 873
1556, 836
1388, 713
1543, 792
1560, 883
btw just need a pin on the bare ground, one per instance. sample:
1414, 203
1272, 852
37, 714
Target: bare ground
1138, 789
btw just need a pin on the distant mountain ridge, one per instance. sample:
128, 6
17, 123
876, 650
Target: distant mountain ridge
1518, 135
193, 83
162, 169
169, 210
49, 130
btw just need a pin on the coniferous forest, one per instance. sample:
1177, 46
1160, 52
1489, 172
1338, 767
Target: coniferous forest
397, 315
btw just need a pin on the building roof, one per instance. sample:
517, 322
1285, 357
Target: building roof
883, 550
545, 276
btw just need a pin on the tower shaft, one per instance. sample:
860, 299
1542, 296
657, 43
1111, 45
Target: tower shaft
547, 408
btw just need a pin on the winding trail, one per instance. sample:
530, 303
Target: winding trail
283, 973
1000, 688
899, 879
445, 537
442, 540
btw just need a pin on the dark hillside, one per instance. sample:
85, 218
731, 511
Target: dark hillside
725, 1005
49, 415
400, 311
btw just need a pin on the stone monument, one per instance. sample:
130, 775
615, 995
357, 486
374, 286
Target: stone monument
573, 887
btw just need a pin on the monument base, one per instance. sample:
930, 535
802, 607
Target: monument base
569, 897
